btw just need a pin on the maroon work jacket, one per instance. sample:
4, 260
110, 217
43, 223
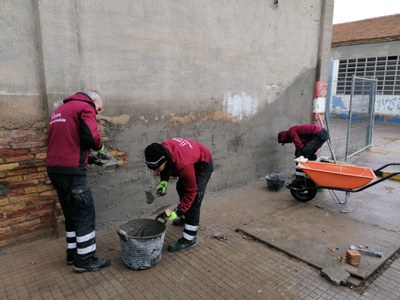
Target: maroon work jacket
72, 132
185, 154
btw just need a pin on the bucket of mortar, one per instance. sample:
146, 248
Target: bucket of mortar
141, 243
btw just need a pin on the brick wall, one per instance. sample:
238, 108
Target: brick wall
28, 202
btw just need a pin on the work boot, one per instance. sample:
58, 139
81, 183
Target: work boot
181, 244
179, 222
70, 256
93, 265
70, 259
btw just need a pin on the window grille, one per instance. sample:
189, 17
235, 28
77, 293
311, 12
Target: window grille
385, 69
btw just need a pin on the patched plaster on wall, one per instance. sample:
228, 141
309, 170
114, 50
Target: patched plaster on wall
240, 105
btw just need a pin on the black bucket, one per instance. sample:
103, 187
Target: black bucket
141, 243
275, 181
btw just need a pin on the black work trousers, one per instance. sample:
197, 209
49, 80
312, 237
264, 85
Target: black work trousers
79, 212
192, 216
314, 144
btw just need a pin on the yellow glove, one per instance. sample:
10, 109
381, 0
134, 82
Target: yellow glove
168, 215
162, 188
101, 150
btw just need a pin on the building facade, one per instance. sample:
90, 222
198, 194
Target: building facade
230, 74
369, 48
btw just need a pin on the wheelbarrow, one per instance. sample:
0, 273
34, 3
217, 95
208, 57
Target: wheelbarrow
312, 175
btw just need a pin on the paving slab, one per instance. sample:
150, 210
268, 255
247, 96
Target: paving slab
321, 238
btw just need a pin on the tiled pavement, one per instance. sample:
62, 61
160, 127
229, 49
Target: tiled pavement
224, 265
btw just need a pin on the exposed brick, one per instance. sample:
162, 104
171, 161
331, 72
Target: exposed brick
5, 147
47, 218
26, 224
51, 193
40, 203
3, 175
28, 145
12, 153
35, 175
16, 133
23, 198
12, 208
38, 189
8, 221
4, 141
5, 167
42, 213
13, 178
4, 230
21, 171
4, 201
23, 184
41, 156
41, 149
35, 231
32, 163
16, 192
19, 158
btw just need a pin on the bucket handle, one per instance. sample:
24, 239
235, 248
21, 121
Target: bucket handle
122, 235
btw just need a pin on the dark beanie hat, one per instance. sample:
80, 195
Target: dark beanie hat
155, 155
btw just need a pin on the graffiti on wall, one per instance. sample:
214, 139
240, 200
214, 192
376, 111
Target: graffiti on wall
387, 108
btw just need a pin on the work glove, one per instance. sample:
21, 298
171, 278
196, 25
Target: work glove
168, 215
94, 160
161, 188
103, 154
101, 150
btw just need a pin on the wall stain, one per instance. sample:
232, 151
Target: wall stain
193, 117
117, 120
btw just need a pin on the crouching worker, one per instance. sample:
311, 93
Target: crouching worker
191, 162
307, 139
72, 133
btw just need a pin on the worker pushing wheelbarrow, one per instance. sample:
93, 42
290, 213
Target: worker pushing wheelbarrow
312, 175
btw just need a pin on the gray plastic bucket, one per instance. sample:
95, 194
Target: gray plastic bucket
275, 181
141, 243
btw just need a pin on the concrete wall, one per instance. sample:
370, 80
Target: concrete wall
230, 74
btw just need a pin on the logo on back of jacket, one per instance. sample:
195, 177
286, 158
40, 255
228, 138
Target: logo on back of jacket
56, 117
183, 142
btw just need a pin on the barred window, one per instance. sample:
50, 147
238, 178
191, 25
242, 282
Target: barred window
385, 69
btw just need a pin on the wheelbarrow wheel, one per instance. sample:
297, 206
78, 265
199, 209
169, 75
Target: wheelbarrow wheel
303, 189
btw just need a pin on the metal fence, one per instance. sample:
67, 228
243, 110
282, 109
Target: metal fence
350, 118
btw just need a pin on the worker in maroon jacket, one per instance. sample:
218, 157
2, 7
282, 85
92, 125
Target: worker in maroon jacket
72, 133
191, 162
307, 138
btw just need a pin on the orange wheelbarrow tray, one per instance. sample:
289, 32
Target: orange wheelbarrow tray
347, 178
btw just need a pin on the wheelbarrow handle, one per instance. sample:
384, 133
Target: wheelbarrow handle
378, 171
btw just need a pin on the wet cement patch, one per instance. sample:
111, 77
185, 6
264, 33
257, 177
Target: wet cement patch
321, 238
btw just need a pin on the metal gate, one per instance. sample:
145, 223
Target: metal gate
350, 117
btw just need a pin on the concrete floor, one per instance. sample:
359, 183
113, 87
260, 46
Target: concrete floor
226, 263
